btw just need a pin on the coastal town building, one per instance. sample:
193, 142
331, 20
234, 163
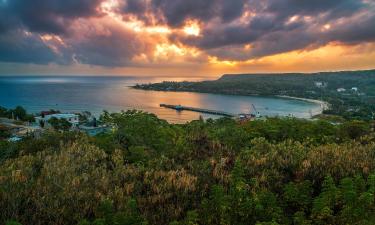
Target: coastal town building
17, 131
14, 139
93, 131
341, 89
320, 84
71, 118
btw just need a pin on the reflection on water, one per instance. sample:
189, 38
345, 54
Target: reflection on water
95, 94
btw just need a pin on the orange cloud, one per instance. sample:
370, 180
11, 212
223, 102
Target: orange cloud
189, 37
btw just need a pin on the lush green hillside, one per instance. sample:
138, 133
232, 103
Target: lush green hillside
351, 104
303, 83
278, 171
276, 84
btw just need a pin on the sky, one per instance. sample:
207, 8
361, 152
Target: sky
185, 37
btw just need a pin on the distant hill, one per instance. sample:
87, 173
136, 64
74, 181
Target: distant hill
341, 74
299, 83
349, 92
295, 84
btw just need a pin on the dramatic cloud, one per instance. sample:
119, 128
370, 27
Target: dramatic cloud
20, 46
277, 26
139, 33
106, 44
49, 16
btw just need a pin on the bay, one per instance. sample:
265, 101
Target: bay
95, 94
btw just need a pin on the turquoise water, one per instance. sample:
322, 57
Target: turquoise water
95, 94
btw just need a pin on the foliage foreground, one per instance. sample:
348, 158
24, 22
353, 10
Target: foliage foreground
278, 171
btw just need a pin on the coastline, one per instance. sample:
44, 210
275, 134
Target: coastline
323, 104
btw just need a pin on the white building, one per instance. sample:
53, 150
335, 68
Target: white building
320, 84
341, 89
93, 131
355, 89
14, 139
71, 118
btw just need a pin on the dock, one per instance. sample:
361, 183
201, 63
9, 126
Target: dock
207, 111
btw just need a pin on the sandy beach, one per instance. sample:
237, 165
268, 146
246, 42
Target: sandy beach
323, 104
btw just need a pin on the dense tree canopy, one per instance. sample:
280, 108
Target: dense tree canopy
277, 171
18, 113
59, 124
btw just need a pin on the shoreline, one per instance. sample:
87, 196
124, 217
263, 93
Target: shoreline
323, 104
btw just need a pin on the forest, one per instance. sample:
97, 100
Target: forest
350, 104
147, 171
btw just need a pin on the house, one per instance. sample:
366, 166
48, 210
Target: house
341, 89
14, 139
320, 84
93, 131
355, 89
20, 130
23, 131
71, 118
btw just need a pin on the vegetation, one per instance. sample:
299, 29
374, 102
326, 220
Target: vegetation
278, 171
18, 113
351, 104
4, 132
59, 124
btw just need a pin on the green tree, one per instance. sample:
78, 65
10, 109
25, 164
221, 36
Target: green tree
214, 209
4, 132
20, 113
354, 129
298, 196
60, 124
324, 204
12, 222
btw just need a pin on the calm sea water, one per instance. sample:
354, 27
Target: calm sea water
95, 94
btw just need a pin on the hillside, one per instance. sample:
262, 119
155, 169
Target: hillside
333, 87
146, 171
275, 84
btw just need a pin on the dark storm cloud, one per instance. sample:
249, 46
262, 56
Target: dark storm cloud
356, 31
231, 10
224, 28
116, 47
307, 7
48, 16
176, 12
137, 7
7, 19
22, 22
216, 37
260, 26
19, 46
270, 31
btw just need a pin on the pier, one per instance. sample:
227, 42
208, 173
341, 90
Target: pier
207, 111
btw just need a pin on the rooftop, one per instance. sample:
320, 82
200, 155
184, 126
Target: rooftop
61, 115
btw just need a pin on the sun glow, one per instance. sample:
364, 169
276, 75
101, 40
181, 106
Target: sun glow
54, 42
158, 29
109, 7
192, 28
174, 53
165, 50
217, 62
326, 27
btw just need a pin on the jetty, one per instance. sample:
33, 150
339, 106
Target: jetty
207, 111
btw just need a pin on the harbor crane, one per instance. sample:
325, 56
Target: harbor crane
256, 112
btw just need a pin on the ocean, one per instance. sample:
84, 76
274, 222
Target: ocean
95, 94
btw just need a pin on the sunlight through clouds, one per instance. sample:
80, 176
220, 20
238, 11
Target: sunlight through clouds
239, 35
